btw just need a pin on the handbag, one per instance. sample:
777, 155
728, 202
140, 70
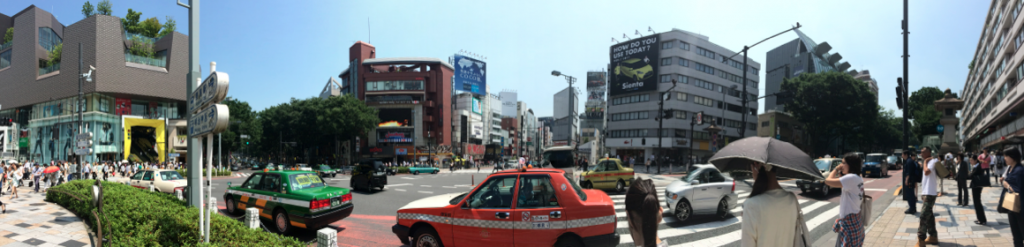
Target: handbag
865, 210
800, 239
1011, 202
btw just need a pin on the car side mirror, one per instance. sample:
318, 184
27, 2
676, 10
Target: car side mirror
229, 184
694, 182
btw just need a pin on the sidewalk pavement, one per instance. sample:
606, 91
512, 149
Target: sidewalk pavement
31, 221
955, 224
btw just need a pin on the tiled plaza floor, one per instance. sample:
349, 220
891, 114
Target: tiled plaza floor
31, 221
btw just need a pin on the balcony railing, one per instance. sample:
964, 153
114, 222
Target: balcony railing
159, 61
49, 69
7, 45
129, 36
1008, 129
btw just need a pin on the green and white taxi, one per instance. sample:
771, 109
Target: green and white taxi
291, 199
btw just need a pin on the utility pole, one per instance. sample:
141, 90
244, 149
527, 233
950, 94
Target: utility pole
79, 103
194, 167
661, 111
906, 80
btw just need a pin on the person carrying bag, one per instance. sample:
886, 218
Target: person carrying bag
1010, 200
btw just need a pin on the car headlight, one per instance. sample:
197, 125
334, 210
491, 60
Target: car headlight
674, 196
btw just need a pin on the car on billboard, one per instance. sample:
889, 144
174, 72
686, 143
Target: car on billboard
633, 68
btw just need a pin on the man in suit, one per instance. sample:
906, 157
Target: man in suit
911, 176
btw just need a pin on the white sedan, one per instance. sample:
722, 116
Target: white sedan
164, 180
704, 190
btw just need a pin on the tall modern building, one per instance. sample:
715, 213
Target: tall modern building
566, 103
592, 119
992, 106
865, 76
413, 98
134, 104
801, 55
709, 81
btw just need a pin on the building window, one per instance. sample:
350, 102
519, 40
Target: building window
631, 99
684, 45
666, 61
681, 96
752, 126
701, 135
765, 124
665, 78
629, 133
5, 59
683, 79
48, 39
704, 84
666, 45
704, 68
629, 116
704, 52
394, 85
753, 70
684, 62
703, 101
680, 114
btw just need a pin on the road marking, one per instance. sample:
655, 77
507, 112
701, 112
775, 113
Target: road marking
736, 234
339, 179
875, 189
394, 185
897, 192
426, 192
463, 185
424, 185
409, 178
399, 189
450, 187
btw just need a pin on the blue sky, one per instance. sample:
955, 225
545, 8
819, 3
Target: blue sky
275, 51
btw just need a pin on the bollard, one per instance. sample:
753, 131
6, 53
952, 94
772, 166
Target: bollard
326, 237
252, 218
177, 193
151, 188
472, 180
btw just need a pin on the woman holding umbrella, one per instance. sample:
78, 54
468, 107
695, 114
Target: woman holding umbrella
771, 215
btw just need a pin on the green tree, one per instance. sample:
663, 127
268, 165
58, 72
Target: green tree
9, 35
104, 7
130, 22
55, 54
150, 27
141, 47
832, 105
312, 123
243, 121
169, 26
87, 9
971, 65
922, 106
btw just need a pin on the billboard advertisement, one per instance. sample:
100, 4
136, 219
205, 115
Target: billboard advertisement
508, 103
634, 66
395, 117
394, 136
470, 75
122, 106
477, 108
594, 111
595, 79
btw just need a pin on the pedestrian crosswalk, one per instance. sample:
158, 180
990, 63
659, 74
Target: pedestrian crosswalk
242, 174
709, 231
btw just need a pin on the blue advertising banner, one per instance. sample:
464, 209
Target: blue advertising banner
470, 75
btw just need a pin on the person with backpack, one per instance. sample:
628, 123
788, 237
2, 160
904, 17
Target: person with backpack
911, 177
929, 189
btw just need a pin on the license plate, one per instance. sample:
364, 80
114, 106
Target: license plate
807, 186
335, 202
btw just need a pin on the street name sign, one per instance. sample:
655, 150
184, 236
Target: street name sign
83, 151
213, 90
212, 120
84, 144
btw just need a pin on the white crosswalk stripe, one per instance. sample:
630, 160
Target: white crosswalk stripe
826, 212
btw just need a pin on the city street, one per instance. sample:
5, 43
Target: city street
370, 223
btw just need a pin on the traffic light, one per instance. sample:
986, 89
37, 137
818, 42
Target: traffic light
900, 89
246, 143
666, 114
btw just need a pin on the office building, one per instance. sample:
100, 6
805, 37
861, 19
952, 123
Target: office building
991, 115
134, 105
565, 105
708, 80
801, 55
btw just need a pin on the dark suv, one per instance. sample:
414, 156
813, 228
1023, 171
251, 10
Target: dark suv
369, 174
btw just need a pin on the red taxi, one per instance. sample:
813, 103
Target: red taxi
527, 207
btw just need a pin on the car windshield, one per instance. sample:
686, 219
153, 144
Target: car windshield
690, 176
170, 175
305, 181
893, 159
558, 159
874, 158
325, 167
822, 164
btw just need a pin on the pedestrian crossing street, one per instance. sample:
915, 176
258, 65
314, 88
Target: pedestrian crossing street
707, 230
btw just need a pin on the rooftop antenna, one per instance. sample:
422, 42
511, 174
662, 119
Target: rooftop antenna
368, 31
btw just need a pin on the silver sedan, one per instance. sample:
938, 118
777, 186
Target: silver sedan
704, 190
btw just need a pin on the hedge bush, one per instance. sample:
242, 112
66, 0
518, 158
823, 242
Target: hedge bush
216, 172
402, 169
134, 217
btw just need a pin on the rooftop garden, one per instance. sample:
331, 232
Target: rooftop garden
140, 33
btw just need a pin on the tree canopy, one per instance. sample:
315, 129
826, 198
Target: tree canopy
314, 122
87, 9
922, 106
104, 7
833, 105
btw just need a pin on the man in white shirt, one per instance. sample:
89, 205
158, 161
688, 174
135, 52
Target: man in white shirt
929, 183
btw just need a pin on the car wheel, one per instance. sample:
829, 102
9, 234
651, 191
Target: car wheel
824, 190
683, 211
723, 209
281, 221
568, 241
231, 205
426, 237
620, 186
334, 175
416, 173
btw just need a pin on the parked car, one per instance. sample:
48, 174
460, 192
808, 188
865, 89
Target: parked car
875, 164
257, 166
325, 171
704, 190
607, 174
164, 180
825, 166
369, 174
235, 167
291, 199
550, 210
421, 168
894, 162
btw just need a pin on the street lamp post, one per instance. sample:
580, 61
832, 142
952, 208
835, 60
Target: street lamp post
661, 111
696, 120
744, 100
572, 93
